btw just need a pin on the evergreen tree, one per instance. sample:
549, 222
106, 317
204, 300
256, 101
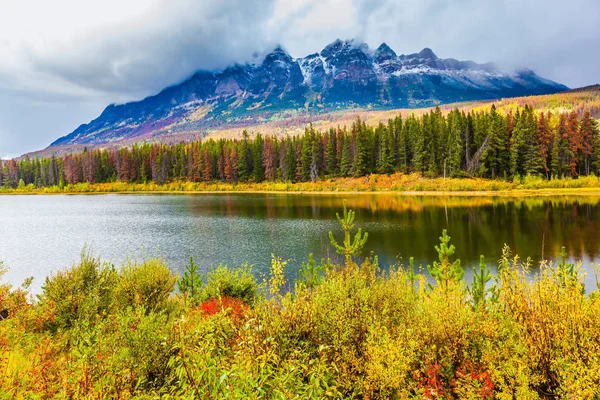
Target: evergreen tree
517, 146
555, 153
362, 154
574, 140
257, 159
330, 154
454, 143
244, 156
346, 159
533, 160
545, 142
306, 156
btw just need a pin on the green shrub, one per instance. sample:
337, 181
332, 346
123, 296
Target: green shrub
82, 293
238, 283
148, 285
190, 284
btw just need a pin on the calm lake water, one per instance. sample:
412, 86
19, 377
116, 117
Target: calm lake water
41, 234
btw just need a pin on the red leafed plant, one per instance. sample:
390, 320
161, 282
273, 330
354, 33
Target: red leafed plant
436, 385
433, 382
478, 375
234, 307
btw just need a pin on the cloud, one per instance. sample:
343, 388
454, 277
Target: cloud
128, 49
62, 61
550, 36
556, 39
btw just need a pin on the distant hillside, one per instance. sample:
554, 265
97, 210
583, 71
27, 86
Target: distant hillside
579, 100
345, 75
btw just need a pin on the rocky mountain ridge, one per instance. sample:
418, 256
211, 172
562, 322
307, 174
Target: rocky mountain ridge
344, 75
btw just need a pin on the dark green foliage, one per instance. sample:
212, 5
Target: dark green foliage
238, 283
485, 144
87, 292
191, 283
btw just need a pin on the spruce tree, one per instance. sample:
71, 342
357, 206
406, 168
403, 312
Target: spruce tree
545, 142
330, 154
244, 155
306, 159
586, 134
346, 159
257, 159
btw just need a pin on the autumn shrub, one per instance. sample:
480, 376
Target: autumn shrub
148, 285
82, 293
237, 283
234, 307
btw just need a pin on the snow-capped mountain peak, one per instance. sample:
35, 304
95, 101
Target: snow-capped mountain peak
343, 74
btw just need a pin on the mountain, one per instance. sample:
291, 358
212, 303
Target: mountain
344, 75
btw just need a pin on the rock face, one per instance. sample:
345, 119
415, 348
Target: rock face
345, 74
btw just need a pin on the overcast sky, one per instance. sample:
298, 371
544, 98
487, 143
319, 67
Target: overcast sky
63, 61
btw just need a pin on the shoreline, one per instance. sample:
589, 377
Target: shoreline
587, 191
396, 184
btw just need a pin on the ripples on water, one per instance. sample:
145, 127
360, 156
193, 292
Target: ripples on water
41, 234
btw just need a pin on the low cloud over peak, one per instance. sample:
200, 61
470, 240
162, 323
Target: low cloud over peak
69, 58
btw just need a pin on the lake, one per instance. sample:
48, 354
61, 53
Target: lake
41, 234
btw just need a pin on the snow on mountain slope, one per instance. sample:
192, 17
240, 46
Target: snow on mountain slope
344, 75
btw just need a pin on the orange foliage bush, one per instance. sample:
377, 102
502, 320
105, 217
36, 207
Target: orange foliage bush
234, 307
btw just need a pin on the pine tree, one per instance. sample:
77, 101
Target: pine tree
574, 139
555, 154
362, 155
330, 154
454, 142
533, 160
244, 156
386, 149
290, 160
420, 158
298, 161
545, 142
257, 159
346, 158
517, 146
307, 156
349, 247
596, 148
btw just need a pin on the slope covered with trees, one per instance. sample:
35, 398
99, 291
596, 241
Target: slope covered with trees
343, 76
482, 143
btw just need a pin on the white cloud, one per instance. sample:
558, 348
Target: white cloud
62, 61
128, 49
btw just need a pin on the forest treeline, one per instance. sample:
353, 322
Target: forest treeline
487, 144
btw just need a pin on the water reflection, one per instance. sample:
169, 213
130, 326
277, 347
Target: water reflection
44, 233
410, 225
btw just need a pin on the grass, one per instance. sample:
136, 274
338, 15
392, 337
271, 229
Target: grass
395, 183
